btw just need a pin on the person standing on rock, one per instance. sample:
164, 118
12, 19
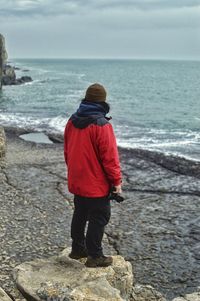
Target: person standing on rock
92, 160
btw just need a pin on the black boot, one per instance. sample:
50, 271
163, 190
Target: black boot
102, 261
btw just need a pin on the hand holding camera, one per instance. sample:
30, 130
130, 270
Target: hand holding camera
115, 194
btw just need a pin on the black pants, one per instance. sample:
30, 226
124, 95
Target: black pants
97, 212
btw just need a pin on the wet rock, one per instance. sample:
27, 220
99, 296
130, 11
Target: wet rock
23, 80
67, 279
9, 77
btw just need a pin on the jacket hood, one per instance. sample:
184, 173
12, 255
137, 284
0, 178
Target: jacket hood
90, 113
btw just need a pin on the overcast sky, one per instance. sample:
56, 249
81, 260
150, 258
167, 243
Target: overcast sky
101, 28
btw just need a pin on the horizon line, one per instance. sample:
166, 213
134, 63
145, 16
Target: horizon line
109, 58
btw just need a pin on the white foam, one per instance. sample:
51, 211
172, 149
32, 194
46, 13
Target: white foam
55, 124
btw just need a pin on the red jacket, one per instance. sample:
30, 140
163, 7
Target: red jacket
90, 152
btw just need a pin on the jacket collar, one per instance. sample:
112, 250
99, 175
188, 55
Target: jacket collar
87, 108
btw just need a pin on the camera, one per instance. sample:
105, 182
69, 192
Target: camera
115, 196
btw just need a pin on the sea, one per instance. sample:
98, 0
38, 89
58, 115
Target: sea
155, 104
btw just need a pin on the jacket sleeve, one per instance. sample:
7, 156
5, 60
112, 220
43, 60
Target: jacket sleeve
108, 154
65, 144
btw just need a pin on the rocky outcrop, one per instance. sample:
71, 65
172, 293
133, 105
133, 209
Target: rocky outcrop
9, 77
3, 56
62, 278
7, 72
2, 142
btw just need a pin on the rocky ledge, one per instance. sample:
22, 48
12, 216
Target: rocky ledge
64, 279
156, 228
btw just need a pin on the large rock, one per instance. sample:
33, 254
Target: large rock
23, 80
7, 72
2, 142
62, 278
9, 77
3, 56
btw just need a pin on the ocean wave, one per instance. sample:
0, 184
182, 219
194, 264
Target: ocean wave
55, 124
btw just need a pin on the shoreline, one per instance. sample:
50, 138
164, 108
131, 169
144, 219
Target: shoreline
58, 138
180, 164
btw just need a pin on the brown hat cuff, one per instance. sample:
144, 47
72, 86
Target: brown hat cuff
96, 92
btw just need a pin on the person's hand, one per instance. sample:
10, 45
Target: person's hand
118, 189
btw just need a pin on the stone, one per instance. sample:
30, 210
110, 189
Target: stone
23, 79
66, 279
4, 296
2, 142
145, 293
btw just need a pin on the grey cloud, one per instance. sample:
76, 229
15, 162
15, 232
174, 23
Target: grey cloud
147, 4
37, 7
61, 7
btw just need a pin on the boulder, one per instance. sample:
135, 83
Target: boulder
2, 142
4, 296
23, 80
62, 278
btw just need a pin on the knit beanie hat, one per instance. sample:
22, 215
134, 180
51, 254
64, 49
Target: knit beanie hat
95, 93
